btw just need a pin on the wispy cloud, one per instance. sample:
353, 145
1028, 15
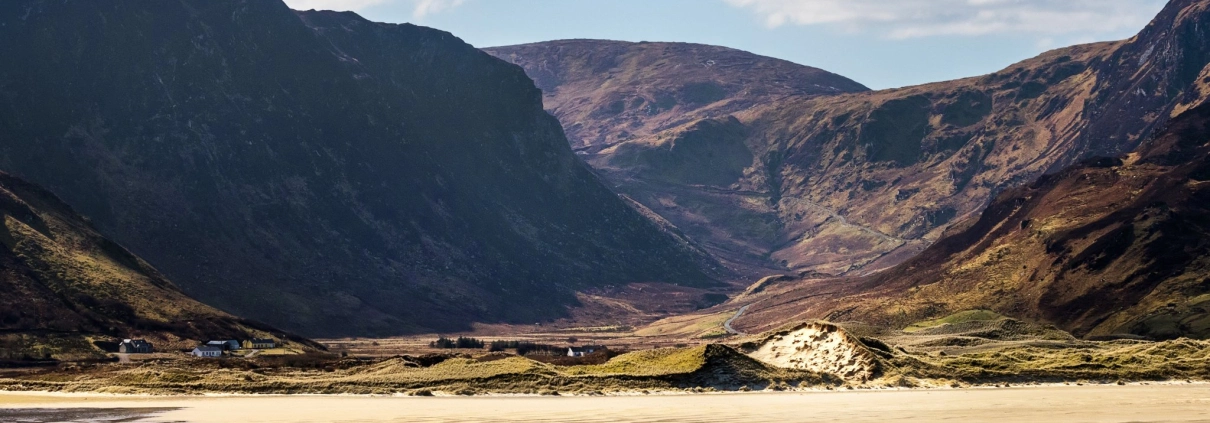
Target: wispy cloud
420, 8
900, 19
428, 7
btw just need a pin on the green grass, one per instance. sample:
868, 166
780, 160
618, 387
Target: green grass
664, 361
959, 317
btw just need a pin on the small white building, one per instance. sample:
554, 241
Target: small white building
583, 351
209, 351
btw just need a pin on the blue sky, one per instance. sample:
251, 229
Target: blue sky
880, 43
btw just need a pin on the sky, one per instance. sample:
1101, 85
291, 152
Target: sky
879, 43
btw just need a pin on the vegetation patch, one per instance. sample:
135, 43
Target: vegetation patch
959, 317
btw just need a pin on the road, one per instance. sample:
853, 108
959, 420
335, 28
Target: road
727, 324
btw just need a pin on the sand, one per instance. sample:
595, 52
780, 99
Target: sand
819, 347
1130, 403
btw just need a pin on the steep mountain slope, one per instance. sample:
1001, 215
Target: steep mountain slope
315, 170
1106, 247
67, 289
855, 182
607, 92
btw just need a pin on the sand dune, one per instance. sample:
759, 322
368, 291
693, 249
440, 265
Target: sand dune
819, 347
1131, 403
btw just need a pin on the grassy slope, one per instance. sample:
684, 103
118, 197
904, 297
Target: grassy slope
1111, 246
65, 286
704, 367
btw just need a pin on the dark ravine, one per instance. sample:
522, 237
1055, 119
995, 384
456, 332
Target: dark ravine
315, 170
852, 181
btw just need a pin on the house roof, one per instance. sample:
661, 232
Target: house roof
261, 340
587, 347
207, 348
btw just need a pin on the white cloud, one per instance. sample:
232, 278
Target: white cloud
901, 19
428, 7
420, 8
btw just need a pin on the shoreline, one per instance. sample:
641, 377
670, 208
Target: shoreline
1171, 402
50, 396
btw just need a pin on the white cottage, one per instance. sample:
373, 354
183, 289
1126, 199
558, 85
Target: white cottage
209, 351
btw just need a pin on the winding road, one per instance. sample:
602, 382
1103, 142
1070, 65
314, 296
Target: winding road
727, 324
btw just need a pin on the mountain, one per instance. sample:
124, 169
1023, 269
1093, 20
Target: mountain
69, 291
1107, 247
314, 170
607, 92
853, 182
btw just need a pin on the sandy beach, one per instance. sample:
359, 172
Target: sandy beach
1131, 403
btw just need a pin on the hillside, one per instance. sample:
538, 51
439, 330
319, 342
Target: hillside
68, 291
852, 182
315, 170
607, 92
1111, 246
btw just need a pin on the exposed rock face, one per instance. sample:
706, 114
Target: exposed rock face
315, 170
848, 183
1110, 246
65, 287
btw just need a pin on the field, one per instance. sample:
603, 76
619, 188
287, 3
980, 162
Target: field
968, 349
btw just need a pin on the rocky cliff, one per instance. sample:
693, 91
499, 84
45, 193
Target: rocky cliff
315, 170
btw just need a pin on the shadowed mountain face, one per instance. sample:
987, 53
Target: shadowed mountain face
315, 170
1110, 246
65, 287
850, 182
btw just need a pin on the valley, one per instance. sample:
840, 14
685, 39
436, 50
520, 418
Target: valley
773, 177
290, 202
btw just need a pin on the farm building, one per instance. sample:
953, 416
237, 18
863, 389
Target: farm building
134, 346
583, 351
226, 344
207, 351
259, 344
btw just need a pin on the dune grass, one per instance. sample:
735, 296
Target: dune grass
659, 362
959, 317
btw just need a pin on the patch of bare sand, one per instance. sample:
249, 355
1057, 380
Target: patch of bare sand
818, 347
1131, 403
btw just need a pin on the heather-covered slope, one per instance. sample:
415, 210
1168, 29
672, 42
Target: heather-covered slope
1110, 246
68, 291
607, 92
849, 183
315, 170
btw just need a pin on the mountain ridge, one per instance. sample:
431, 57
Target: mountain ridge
850, 183
1110, 246
315, 170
